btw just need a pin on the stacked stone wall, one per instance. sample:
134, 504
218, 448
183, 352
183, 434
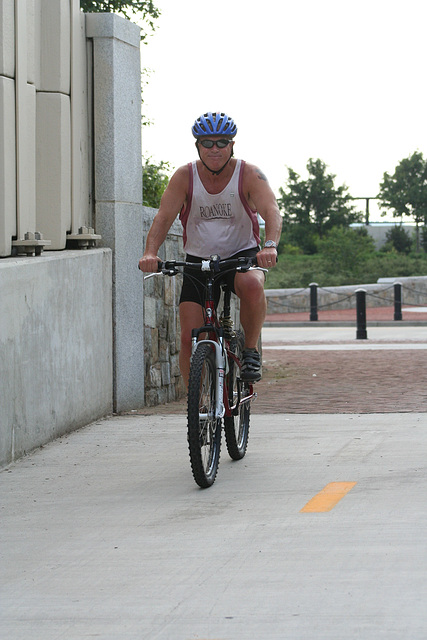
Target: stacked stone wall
163, 382
380, 294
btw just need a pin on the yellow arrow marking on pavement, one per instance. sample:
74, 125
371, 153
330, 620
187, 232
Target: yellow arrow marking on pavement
326, 499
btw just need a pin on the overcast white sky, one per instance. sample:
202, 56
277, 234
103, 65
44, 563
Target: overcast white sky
338, 80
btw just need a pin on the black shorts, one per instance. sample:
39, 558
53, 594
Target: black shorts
193, 285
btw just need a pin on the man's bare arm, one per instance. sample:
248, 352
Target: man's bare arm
171, 203
261, 197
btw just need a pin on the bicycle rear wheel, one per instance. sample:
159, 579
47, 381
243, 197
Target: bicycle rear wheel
236, 427
204, 430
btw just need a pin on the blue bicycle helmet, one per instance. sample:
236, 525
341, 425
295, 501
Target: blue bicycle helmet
214, 124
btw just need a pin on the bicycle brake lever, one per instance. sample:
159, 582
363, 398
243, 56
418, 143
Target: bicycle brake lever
246, 269
163, 272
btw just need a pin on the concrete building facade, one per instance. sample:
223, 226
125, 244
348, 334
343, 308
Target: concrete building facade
71, 221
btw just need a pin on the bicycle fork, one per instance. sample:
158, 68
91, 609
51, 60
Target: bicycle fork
220, 365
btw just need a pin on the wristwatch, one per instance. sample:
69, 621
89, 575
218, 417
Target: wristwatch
270, 244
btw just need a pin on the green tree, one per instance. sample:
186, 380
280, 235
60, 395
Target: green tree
405, 192
154, 181
344, 251
398, 239
146, 8
314, 206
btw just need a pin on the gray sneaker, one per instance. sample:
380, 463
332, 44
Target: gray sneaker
251, 366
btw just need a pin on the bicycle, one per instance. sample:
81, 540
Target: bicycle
216, 391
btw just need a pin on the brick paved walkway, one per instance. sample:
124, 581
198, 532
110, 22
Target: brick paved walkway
323, 381
386, 381
368, 381
373, 314
362, 381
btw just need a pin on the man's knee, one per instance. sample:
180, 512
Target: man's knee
251, 289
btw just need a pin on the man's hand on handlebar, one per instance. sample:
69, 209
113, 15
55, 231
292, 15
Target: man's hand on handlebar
149, 263
267, 257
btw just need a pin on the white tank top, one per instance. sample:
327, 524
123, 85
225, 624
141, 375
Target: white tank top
220, 223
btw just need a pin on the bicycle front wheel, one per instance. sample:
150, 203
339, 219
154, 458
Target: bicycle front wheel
204, 429
236, 427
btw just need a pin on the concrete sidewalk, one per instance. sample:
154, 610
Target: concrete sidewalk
104, 534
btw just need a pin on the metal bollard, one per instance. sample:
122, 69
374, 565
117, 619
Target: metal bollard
313, 301
361, 333
397, 301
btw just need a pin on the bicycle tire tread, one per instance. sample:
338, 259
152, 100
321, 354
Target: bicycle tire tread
202, 354
237, 450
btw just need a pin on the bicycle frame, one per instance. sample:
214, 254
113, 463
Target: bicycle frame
218, 400
221, 346
213, 328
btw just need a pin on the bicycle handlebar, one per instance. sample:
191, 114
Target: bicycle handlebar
214, 265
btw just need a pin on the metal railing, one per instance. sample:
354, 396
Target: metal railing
360, 294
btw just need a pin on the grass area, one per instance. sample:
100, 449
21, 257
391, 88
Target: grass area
298, 271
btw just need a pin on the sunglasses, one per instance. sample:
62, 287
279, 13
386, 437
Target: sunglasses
221, 144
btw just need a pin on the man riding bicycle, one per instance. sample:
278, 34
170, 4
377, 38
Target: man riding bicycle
218, 198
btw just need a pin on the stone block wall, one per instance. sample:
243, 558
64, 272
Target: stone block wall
379, 294
163, 382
